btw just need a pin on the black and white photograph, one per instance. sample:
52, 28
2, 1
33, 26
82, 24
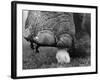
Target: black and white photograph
53, 39
50, 39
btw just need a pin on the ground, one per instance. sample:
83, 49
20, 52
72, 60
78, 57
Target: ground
46, 59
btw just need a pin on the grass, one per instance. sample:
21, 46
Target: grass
46, 59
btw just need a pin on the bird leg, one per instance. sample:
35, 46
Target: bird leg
37, 49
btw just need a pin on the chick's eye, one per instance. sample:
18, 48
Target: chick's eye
36, 38
61, 39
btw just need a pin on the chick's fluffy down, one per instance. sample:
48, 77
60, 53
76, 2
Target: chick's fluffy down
45, 37
65, 40
63, 56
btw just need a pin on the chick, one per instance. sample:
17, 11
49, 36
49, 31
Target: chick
45, 37
63, 56
64, 41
